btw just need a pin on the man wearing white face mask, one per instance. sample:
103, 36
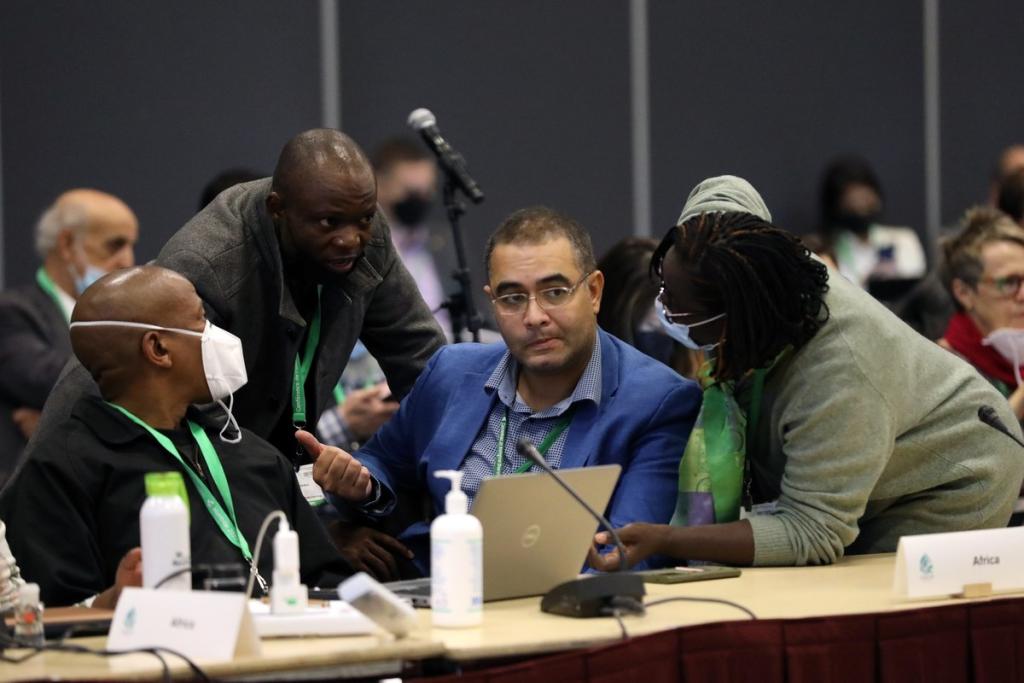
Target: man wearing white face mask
84, 234
983, 268
143, 336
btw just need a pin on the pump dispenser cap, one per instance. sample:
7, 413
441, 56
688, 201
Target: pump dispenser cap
456, 502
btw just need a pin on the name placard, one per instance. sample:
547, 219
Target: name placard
204, 625
942, 565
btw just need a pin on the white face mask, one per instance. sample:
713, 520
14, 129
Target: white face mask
1009, 342
223, 363
681, 332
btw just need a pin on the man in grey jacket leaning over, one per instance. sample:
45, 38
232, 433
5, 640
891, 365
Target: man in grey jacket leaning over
298, 266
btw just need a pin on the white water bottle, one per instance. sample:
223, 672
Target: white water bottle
456, 561
163, 525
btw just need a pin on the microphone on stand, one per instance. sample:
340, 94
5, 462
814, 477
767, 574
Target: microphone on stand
592, 596
989, 416
424, 122
461, 306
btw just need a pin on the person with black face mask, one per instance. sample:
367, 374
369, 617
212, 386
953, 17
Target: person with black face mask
407, 192
851, 210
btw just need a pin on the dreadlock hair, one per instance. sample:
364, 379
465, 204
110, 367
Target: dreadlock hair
763, 278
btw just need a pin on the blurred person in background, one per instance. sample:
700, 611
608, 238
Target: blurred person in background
627, 309
1011, 196
407, 193
852, 204
983, 267
1010, 159
224, 180
81, 237
929, 306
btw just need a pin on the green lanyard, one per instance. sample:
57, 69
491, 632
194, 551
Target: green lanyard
542, 448
303, 364
50, 287
228, 524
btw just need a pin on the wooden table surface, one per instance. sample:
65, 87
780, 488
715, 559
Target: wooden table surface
518, 627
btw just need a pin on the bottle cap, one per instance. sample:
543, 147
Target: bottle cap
166, 484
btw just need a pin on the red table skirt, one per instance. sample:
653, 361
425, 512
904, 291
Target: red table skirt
970, 642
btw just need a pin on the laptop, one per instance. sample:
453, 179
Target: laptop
535, 535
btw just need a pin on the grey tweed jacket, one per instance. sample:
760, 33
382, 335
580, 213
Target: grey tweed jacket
229, 251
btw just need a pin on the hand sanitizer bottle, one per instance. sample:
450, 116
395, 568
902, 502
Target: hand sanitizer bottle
163, 526
456, 561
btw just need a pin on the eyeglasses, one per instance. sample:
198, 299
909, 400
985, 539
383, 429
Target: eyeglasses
1006, 286
677, 317
552, 297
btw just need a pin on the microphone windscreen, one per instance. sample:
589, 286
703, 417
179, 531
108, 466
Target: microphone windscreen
988, 415
526, 449
421, 118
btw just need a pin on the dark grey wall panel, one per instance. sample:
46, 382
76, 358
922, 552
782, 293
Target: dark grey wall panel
146, 100
981, 64
771, 90
535, 94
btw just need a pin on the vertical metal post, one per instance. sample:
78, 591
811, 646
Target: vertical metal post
640, 116
932, 130
330, 66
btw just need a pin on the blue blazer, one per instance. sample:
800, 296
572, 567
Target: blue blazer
643, 422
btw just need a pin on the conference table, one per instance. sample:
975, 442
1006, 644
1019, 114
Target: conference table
515, 632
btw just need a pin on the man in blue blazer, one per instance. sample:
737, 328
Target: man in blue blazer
585, 397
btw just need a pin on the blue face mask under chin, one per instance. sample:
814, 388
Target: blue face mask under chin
681, 332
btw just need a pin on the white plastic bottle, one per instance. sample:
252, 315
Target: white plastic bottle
163, 525
456, 561
287, 594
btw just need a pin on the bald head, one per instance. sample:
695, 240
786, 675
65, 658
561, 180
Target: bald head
99, 205
147, 294
85, 212
323, 201
316, 154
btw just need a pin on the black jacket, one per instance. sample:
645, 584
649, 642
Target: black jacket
72, 510
34, 346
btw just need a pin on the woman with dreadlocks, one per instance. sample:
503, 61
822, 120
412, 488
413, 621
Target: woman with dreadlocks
827, 426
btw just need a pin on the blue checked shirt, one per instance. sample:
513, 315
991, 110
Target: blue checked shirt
522, 421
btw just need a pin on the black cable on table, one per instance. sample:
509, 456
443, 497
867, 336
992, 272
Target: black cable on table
711, 600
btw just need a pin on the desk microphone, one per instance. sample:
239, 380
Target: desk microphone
424, 122
530, 452
988, 415
592, 596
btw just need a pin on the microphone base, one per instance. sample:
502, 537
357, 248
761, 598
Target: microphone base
596, 596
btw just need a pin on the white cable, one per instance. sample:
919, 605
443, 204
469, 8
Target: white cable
259, 544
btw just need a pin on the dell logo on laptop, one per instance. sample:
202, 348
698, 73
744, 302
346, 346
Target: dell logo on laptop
530, 536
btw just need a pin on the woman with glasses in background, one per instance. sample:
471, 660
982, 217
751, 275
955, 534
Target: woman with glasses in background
983, 267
